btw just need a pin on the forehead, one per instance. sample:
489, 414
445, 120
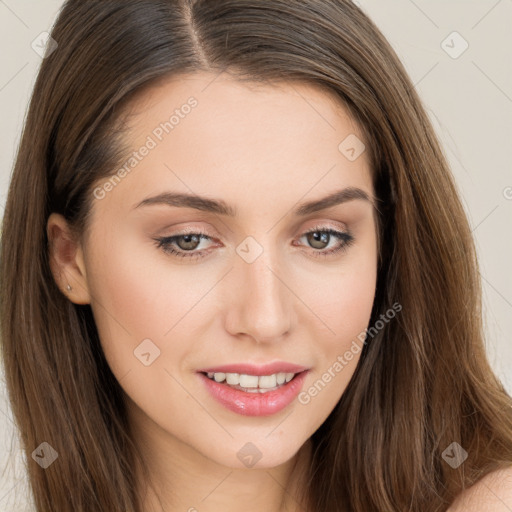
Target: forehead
226, 104
240, 139
200, 81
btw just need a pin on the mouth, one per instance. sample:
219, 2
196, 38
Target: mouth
252, 383
261, 391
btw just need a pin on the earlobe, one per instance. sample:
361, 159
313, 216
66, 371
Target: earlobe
66, 260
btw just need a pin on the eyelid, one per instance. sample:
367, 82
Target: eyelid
344, 237
312, 226
318, 226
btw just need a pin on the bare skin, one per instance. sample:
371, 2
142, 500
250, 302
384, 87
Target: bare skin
264, 151
492, 493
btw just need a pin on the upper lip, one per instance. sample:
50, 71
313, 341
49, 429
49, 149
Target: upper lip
256, 369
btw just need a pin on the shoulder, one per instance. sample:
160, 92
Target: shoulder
492, 493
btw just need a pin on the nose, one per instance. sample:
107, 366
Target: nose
260, 300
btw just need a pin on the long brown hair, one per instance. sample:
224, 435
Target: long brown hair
422, 383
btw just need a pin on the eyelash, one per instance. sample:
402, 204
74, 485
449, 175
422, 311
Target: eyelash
165, 243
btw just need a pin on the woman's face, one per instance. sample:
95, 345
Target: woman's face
228, 170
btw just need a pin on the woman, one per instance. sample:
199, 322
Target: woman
236, 270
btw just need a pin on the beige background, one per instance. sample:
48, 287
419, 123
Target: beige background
469, 99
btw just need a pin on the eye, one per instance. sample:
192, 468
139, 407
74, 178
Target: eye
320, 237
184, 245
185, 242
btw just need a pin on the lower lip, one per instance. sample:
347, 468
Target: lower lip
255, 404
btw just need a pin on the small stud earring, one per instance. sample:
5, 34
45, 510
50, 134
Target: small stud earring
69, 287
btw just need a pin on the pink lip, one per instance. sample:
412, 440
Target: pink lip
253, 369
255, 404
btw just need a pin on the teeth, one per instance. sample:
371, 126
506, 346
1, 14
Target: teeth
268, 381
232, 378
252, 381
248, 381
219, 377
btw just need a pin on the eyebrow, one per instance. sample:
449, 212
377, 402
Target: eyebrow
218, 206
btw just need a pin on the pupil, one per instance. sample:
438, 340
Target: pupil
190, 239
322, 238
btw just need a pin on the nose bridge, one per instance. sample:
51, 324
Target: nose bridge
261, 304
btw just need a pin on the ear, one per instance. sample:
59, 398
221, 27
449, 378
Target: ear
66, 260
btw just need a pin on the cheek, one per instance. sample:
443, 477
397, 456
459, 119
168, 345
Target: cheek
344, 304
343, 299
346, 310
122, 297
348, 306
138, 294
